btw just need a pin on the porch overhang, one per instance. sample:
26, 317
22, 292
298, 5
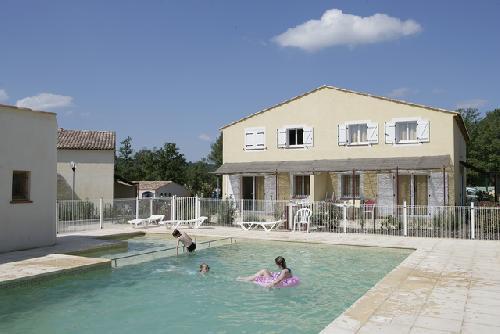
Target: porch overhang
335, 165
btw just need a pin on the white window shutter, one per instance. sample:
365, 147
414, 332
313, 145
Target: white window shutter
308, 137
372, 133
260, 139
342, 134
390, 132
249, 139
423, 131
281, 137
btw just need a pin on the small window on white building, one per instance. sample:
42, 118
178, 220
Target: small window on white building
255, 138
20, 186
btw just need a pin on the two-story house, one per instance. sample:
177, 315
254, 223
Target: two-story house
337, 144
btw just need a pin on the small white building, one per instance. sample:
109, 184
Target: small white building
28, 152
161, 189
93, 155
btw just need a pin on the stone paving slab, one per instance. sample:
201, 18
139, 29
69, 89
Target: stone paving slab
15, 273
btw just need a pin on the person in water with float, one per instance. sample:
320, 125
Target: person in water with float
279, 279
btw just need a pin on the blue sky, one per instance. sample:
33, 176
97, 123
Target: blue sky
165, 71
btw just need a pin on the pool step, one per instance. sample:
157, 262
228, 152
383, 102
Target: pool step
49, 266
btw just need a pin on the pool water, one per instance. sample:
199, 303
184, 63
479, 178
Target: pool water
168, 295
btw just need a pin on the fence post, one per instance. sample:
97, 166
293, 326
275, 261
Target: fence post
472, 221
241, 210
172, 209
151, 206
57, 217
101, 218
344, 216
405, 219
197, 207
137, 208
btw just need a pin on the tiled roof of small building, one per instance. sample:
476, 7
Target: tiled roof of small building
151, 185
85, 140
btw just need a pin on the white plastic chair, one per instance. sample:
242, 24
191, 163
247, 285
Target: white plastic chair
302, 217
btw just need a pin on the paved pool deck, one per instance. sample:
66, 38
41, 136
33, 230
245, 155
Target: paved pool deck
444, 286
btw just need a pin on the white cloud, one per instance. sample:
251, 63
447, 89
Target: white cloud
337, 28
401, 92
45, 101
473, 103
204, 137
3, 95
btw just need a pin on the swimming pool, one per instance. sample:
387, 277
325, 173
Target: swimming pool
167, 295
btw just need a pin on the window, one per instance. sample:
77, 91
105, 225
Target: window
406, 132
301, 186
255, 138
20, 186
347, 186
295, 137
358, 133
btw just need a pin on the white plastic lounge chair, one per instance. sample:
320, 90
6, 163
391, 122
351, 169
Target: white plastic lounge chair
267, 226
302, 217
191, 223
153, 219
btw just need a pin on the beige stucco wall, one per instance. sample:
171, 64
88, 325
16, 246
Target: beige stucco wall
94, 176
323, 111
28, 143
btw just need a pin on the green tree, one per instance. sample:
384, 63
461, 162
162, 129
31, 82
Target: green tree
215, 155
199, 179
171, 164
124, 160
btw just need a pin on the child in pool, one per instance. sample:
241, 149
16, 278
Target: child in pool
204, 268
275, 277
185, 239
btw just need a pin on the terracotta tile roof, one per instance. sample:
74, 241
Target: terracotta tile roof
151, 185
85, 140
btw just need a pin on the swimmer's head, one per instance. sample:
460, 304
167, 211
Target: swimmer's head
176, 233
204, 268
280, 262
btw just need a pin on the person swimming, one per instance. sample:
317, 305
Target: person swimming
185, 239
271, 279
204, 268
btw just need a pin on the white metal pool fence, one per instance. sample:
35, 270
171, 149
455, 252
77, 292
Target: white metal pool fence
464, 222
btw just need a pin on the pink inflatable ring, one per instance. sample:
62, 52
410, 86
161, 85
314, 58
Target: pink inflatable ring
286, 283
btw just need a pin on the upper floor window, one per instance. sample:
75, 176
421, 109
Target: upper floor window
20, 186
407, 131
255, 138
358, 133
295, 137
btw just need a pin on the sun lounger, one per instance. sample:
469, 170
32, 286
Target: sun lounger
191, 223
267, 226
153, 219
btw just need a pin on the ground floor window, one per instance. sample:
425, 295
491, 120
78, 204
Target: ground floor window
413, 189
252, 187
348, 189
301, 186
